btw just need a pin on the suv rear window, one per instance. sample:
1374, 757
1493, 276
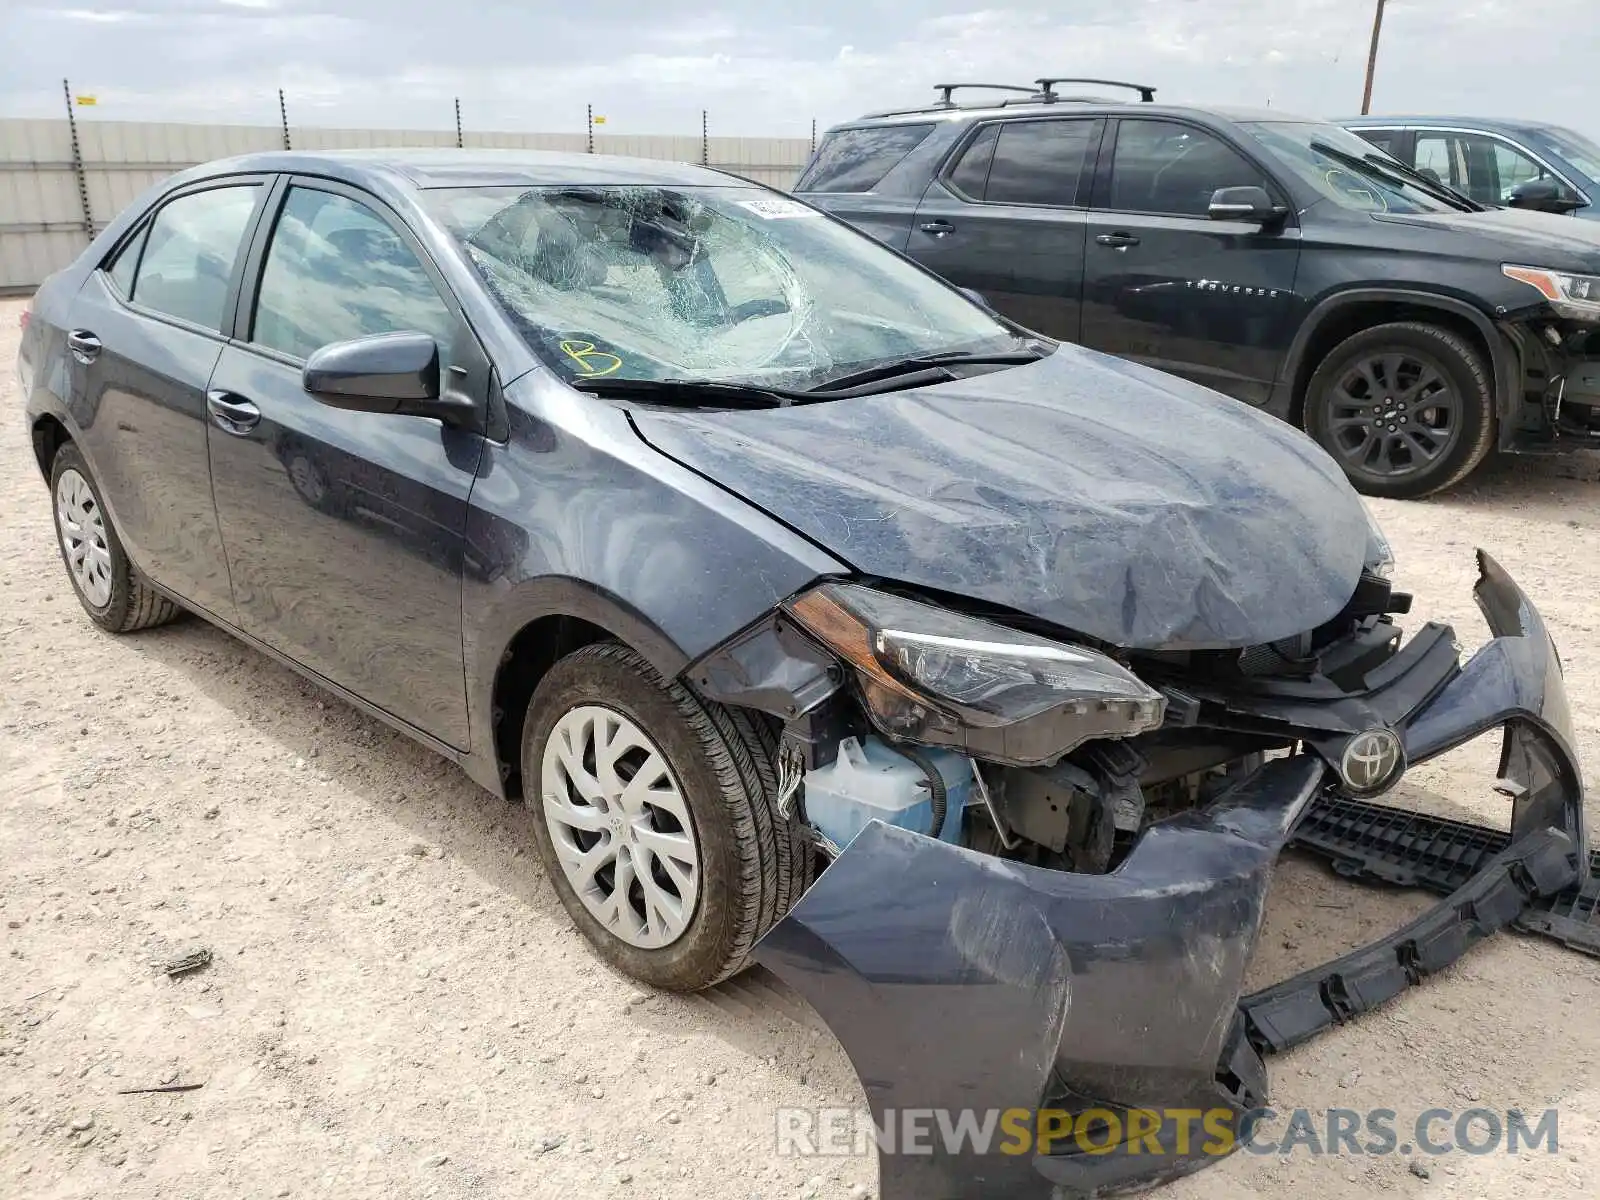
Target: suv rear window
854, 160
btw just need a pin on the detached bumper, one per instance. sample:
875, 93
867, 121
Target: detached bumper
1102, 1014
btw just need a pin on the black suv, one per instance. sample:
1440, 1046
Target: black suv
1281, 260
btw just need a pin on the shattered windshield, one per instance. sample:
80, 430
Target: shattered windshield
1346, 176
732, 284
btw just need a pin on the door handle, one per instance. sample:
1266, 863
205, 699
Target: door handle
1120, 241
233, 414
84, 345
937, 228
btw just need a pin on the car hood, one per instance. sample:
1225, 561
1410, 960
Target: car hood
1533, 238
1106, 498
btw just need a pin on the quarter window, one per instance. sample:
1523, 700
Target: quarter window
970, 175
190, 252
127, 262
1164, 167
336, 270
856, 160
1039, 162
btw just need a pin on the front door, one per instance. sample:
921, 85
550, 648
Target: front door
345, 530
145, 334
1006, 219
1167, 286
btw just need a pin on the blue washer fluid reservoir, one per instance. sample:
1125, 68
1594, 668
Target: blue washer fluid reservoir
870, 781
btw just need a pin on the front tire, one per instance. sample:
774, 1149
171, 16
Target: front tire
107, 584
655, 820
1406, 409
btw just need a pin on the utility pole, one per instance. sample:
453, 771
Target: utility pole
1372, 58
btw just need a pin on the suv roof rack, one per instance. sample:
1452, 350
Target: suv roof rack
1047, 91
945, 101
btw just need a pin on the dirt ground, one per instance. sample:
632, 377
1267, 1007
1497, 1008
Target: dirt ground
397, 1005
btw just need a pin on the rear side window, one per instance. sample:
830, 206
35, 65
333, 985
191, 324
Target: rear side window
337, 270
1386, 140
1039, 162
190, 251
970, 175
127, 262
854, 160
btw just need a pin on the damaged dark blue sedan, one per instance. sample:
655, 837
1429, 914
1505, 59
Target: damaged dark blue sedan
971, 682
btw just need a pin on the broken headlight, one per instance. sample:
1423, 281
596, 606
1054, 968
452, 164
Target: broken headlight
1574, 296
1380, 555
938, 677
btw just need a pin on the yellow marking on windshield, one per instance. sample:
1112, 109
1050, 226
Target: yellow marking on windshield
586, 356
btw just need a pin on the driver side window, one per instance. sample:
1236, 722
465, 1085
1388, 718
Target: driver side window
1166, 168
337, 270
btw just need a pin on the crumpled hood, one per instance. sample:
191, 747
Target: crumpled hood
1118, 502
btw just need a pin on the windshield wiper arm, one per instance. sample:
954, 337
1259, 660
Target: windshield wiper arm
700, 393
1394, 172
923, 363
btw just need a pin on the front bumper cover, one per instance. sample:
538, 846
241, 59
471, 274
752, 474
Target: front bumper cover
966, 984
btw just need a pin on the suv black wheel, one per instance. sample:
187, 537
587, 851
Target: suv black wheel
107, 584
655, 818
1406, 409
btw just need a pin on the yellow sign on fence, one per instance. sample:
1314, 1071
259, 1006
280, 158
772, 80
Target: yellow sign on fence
85, 101
599, 120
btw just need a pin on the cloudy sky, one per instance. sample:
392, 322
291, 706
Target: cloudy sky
770, 67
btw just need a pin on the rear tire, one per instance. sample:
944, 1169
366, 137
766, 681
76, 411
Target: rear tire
1405, 409
749, 864
108, 585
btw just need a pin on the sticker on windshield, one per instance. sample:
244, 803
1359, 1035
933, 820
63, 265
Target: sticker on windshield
773, 208
591, 362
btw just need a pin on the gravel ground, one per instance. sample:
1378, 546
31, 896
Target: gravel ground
398, 1006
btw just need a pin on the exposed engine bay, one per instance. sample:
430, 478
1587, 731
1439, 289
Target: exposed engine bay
1021, 766
1054, 855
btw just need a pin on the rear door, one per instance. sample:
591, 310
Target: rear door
844, 175
345, 530
144, 334
1007, 218
1166, 285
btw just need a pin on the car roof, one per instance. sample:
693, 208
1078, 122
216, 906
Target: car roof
1492, 124
441, 168
1066, 106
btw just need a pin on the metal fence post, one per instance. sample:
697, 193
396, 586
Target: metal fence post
458, 122
77, 163
705, 140
813, 135
283, 118
589, 125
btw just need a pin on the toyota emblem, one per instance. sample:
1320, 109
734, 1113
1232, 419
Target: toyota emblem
1371, 761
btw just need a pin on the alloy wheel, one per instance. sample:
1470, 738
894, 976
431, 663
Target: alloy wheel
620, 826
82, 530
1391, 413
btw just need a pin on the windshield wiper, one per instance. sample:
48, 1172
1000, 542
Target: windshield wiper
1397, 173
931, 366
696, 393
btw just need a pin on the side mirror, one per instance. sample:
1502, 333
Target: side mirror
384, 373
1244, 204
1545, 195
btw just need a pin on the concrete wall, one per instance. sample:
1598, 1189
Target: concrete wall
42, 221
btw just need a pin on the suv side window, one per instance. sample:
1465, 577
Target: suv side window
1039, 162
337, 270
1384, 139
190, 251
1167, 168
855, 160
970, 174
1442, 155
